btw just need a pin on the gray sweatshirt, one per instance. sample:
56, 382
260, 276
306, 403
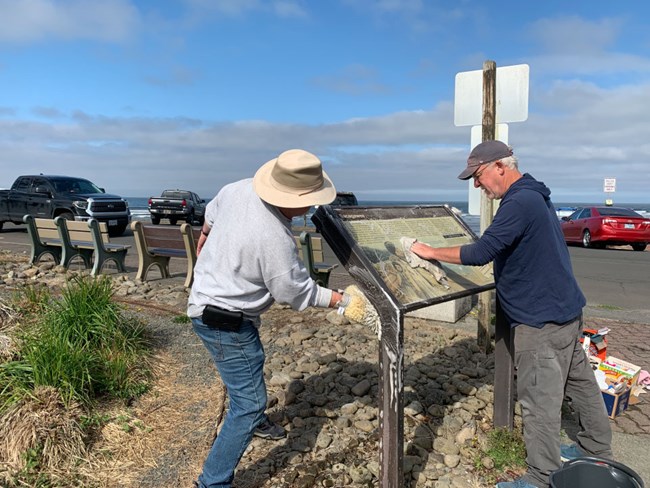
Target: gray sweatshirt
250, 258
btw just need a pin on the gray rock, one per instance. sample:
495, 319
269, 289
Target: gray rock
445, 446
361, 388
452, 460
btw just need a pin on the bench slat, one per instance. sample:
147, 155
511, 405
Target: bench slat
165, 243
67, 239
79, 231
160, 251
156, 245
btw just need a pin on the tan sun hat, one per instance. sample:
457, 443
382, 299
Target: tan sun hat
294, 179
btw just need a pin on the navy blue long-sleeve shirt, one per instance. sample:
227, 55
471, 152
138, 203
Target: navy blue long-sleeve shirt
532, 268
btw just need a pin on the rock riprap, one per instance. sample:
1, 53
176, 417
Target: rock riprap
322, 375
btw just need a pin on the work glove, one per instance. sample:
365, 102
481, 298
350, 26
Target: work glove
415, 261
357, 308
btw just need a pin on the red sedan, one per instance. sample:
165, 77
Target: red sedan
600, 226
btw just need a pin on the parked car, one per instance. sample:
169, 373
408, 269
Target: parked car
177, 205
600, 226
50, 196
345, 198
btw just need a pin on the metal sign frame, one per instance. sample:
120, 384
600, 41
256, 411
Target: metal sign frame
330, 222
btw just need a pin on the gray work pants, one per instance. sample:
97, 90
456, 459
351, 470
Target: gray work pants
550, 364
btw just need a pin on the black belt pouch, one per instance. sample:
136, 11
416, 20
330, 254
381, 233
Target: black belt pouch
218, 318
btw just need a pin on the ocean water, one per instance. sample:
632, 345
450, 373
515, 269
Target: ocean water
140, 211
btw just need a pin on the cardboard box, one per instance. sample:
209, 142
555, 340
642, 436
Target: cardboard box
619, 369
616, 403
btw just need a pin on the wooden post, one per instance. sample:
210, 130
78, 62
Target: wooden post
484, 332
504, 353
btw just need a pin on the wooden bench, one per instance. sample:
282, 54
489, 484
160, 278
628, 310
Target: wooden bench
157, 245
310, 249
89, 241
44, 235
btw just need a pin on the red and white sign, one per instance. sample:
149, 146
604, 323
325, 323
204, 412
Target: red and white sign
609, 186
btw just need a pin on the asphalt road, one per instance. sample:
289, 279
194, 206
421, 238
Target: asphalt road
611, 279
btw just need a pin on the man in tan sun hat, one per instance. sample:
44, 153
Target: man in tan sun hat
247, 260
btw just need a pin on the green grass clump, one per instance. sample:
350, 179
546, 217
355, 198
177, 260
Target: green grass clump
32, 299
506, 448
83, 345
181, 319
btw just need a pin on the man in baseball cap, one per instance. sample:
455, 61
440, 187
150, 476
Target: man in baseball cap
542, 302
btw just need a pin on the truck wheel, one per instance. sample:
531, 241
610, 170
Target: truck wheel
190, 218
155, 220
66, 215
172, 220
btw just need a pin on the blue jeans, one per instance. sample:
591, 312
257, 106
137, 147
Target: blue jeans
239, 357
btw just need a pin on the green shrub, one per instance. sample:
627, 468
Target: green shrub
82, 345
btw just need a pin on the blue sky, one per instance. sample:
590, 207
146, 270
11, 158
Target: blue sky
139, 96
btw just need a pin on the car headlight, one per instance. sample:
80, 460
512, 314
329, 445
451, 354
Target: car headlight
81, 204
126, 202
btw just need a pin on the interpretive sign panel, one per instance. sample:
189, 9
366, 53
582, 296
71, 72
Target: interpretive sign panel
374, 235
370, 243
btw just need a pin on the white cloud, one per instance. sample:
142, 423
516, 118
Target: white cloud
239, 8
417, 16
354, 79
176, 76
47, 112
575, 35
288, 8
28, 21
577, 134
576, 46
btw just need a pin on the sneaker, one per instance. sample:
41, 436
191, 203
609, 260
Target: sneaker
518, 483
270, 430
569, 452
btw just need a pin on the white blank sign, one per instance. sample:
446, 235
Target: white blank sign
511, 93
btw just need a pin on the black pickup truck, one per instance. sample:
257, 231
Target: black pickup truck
49, 196
177, 205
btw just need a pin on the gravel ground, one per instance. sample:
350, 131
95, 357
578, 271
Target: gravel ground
322, 378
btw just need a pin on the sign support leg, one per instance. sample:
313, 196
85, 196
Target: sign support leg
391, 405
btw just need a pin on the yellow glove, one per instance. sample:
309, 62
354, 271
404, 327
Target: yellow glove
358, 309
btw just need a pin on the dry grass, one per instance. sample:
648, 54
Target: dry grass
42, 421
8, 315
132, 442
9, 319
